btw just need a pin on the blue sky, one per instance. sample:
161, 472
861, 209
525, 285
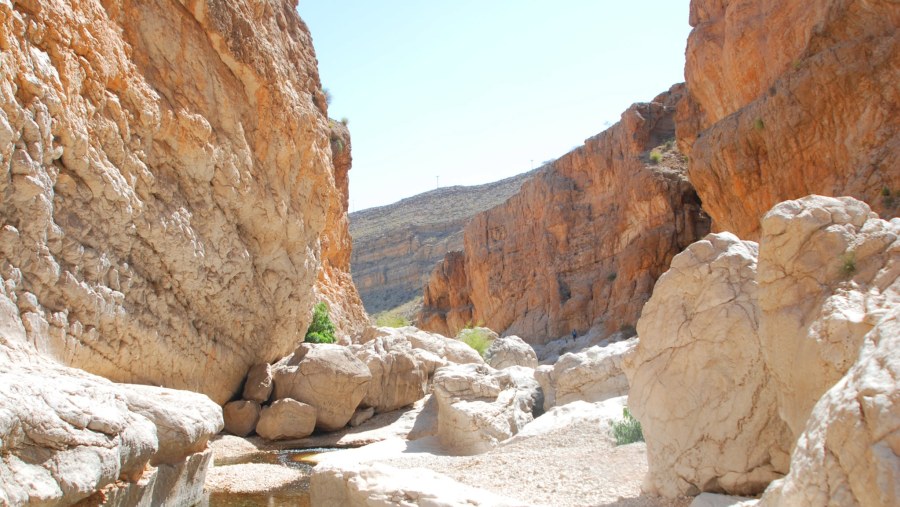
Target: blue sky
475, 91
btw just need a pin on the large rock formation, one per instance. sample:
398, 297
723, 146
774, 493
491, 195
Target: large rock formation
699, 384
583, 241
788, 98
167, 178
779, 337
395, 247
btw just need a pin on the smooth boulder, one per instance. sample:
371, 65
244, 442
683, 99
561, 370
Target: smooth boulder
325, 376
241, 417
258, 386
286, 419
592, 375
399, 378
509, 351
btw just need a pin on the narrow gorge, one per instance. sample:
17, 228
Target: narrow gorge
718, 273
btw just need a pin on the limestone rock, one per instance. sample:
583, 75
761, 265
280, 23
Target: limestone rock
829, 269
592, 375
582, 243
258, 386
328, 377
479, 407
361, 415
699, 383
164, 213
286, 419
171, 485
364, 485
446, 350
241, 417
787, 98
398, 377
397, 246
510, 351
849, 451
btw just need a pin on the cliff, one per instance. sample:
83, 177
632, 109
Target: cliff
582, 243
168, 178
395, 247
788, 98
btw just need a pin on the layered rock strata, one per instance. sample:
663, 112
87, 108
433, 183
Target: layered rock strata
582, 243
788, 98
168, 173
395, 247
801, 332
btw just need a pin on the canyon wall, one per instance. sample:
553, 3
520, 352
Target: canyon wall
788, 98
397, 246
168, 175
582, 243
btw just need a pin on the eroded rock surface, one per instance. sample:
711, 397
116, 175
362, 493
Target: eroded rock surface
790, 98
168, 174
699, 383
479, 407
593, 375
581, 244
399, 378
325, 376
509, 351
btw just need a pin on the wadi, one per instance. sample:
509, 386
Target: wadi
697, 306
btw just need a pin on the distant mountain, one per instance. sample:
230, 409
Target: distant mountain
395, 247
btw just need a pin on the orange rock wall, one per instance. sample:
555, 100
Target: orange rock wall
788, 98
581, 244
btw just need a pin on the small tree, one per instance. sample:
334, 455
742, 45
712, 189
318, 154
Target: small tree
628, 429
321, 329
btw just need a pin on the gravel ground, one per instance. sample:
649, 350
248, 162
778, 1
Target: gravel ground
580, 466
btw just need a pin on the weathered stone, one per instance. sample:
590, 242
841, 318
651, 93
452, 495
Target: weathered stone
509, 351
241, 417
582, 243
286, 419
699, 384
787, 98
592, 375
361, 415
328, 377
165, 212
398, 377
829, 269
849, 451
171, 485
258, 386
440, 349
479, 407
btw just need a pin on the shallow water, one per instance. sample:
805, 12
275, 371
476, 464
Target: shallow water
294, 494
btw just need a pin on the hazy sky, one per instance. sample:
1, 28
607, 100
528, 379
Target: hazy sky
475, 91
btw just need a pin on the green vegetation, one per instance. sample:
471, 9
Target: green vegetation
476, 338
627, 430
391, 319
655, 157
611, 277
848, 264
758, 124
345, 121
321, 329
670, 144
327, 95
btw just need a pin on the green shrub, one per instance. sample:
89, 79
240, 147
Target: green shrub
476, 338
655, 157
848, 264
758, 124
345, 121
627, 430
390, 319
611, 277
321, 329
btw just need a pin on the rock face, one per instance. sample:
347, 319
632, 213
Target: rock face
479, 407
778, 338
168, 174
848, 452
699, 383
509, 351
398, 377
286, 419
828, 270
395, 247
803, 102
65, 434
592, 375
328, 377
583, 241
